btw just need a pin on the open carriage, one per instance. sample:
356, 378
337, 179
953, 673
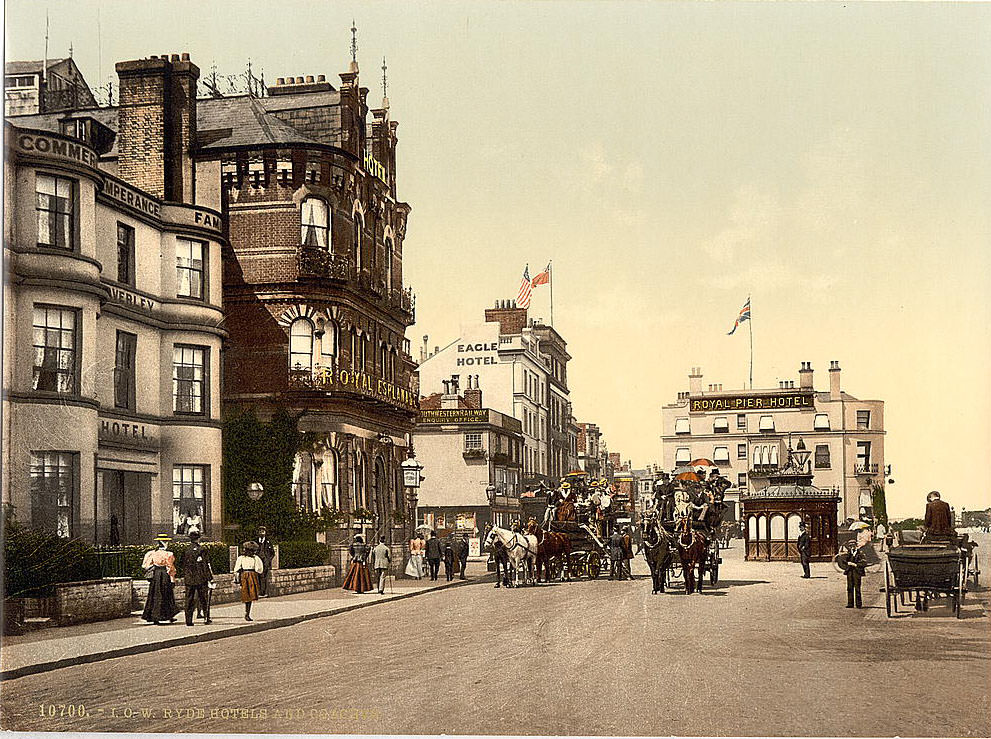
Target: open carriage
918, 571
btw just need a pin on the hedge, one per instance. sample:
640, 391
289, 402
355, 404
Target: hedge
296, 554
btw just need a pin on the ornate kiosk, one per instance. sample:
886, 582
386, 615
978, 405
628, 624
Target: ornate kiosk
770, 517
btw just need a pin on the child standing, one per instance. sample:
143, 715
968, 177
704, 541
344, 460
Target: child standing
247, 569
854, 564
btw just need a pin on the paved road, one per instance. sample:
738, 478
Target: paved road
764, 653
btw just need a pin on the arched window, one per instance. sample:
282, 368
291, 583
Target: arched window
315, 222
752, 530
380, 486
384, 361
330, 343
302, 479
793, 521
359, 225
388, 265
301, 345
329, 494
778, 528
358, 481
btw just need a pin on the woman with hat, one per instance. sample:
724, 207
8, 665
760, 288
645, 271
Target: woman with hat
247, 569
159, 567
357, 578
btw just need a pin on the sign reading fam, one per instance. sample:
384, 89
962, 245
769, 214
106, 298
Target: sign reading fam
743, 403
490, 358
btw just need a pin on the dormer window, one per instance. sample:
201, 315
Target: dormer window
315, 223
74, 128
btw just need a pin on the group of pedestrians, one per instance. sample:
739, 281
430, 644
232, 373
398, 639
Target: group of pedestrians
358, 580
251, 573
452, 551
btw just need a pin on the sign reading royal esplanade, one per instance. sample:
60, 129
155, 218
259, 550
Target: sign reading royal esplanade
744, 403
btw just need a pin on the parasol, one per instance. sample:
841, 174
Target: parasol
701, 462
687, 476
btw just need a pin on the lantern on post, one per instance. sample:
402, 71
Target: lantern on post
411, 481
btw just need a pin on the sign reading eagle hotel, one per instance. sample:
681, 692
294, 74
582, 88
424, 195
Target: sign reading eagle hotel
744, 403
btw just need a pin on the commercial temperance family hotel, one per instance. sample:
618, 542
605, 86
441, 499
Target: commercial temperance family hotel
142, 239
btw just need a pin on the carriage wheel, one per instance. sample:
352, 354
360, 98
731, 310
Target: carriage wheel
890, 598
554, 568
594, 565
577, 565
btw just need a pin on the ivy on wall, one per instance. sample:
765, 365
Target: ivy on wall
263, 451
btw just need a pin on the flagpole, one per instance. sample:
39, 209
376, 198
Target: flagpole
750, 323
551, 281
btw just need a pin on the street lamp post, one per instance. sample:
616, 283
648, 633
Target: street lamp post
490, 493
411, 481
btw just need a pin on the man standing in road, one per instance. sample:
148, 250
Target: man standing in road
381, 559
616, 556
804, 549
461, 555
196, 573
435, 550
266, 553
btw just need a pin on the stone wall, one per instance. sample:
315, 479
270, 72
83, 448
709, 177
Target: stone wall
280, 582
92, 600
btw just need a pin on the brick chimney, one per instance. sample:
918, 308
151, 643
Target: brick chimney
512, 320
834, 381
695, 381
157, 125
473, 394
805, 376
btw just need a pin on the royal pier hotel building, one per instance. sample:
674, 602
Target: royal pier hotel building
746, 434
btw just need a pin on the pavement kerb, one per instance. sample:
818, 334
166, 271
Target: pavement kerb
195, 638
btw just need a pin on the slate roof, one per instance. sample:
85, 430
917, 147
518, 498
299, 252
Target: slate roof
248, 121
28, 67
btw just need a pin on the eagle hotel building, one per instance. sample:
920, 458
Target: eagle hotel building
746, 434
111, 366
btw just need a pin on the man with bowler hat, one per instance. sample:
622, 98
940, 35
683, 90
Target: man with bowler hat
804, 549
266, 553
854, 564
196, 575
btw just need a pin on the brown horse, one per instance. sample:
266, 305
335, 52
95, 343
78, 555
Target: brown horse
550, 545
693, 550
658, 549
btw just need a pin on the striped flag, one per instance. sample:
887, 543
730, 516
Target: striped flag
526, 287
744, 316
543, 278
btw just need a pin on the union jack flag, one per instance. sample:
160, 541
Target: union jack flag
523, 299
744, 316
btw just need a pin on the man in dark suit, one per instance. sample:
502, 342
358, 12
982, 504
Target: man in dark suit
266, 553
804, 549
461, 554
449, 557
196, 574
616, 555
435, 550
939, 517
854, 564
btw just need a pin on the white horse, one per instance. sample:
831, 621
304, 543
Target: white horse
521, 548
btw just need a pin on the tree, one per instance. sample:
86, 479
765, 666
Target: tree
878, 503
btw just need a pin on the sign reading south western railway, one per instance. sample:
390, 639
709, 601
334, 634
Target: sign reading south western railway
744, 403
454, 415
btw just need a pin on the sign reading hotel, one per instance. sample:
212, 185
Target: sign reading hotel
454, 415
477, 357
128, 434
744, 403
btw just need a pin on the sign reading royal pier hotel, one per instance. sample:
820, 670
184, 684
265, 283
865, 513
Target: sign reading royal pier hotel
744, 403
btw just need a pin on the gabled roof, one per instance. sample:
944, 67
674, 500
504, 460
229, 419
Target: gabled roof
247, 121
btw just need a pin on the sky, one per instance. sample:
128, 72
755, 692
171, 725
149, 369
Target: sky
831, 161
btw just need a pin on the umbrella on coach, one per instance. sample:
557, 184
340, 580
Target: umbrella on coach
701, 462
690, 475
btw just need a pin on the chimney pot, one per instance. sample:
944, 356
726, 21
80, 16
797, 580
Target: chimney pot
299, 80
185, 56
280, 81
153, 56
175, 57
309, 78
321, 78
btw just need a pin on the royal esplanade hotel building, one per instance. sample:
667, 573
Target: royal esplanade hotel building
746, 433
113, 320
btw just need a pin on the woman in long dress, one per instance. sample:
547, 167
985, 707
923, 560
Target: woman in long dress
358, 578
414, 568
247, 569
159, 567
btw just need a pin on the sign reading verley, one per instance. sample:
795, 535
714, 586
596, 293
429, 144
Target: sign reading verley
744, 403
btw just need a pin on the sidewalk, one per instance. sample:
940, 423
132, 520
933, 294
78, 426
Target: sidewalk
52, 649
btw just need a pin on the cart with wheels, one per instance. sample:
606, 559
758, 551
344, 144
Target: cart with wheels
925, 571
